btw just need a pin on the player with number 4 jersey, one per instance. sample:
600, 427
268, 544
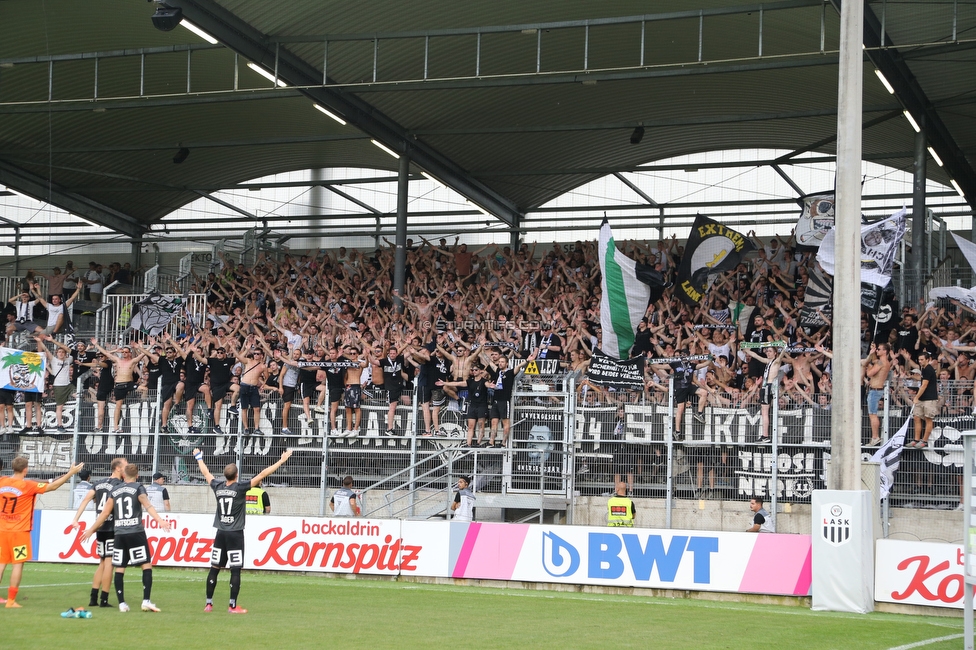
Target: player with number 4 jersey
131, 545
228, 548
105, 537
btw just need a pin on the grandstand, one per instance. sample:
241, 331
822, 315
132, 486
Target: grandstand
444, 204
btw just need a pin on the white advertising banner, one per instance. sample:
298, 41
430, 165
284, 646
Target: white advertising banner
673, 559
690, 560
334, 545
919, 573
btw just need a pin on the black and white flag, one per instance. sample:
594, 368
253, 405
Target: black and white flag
879, 242
155, 312
890, 456
816, 219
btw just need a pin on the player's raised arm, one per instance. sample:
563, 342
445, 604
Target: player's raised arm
198, 456
81, 507
268, 471
58, 482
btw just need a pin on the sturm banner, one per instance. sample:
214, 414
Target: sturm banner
606, 371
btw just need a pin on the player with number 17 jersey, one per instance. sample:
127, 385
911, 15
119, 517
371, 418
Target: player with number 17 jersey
231, 504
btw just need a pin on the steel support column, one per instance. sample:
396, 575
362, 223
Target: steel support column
400, 259
918, 209
846, 406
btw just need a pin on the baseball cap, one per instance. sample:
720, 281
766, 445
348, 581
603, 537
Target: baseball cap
157, 476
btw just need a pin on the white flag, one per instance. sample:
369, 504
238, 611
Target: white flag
965, 297
890, 456
967, 248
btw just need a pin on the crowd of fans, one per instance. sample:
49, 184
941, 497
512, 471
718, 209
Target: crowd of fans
316, 327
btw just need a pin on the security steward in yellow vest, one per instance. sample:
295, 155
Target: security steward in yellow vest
620, 508
258, 502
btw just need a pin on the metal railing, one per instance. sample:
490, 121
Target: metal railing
709, 449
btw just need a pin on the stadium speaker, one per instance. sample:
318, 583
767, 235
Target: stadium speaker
181, 155
637, 135
167, 18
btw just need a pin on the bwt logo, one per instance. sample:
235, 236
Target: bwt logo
562, 558
607, 555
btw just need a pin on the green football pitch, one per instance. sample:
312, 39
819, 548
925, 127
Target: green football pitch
292, 611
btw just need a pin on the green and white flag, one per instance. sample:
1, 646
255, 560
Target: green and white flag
627, 289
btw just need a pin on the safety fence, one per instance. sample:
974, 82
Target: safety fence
562, 444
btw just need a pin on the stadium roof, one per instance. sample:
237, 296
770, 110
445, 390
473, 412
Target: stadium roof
510, 103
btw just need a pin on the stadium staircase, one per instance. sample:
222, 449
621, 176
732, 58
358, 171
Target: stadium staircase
418, 491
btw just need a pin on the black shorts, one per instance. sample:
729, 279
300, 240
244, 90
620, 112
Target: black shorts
707, 455
624, 460
250, 397
167, 391
131, 548
424, 393
122, 390
219, 391
308, 390
7, 397
191, 390
104, 543
477, 411
766, 394
228, 549
394, 394
288, 393
683, 394
499, 410
335, 394
104, 391
32, 397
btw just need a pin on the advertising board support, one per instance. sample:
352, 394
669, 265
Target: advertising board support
842, 532
774, 436
570, 455
324, 476
76, 432
157, 423
413, 455
885, 433
669, 482
968, 531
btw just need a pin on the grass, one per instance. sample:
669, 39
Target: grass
296, 611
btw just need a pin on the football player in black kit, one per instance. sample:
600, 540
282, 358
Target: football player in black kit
228, 548
125, 506
105, 539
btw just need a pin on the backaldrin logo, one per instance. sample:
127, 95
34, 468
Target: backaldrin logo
607, 555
